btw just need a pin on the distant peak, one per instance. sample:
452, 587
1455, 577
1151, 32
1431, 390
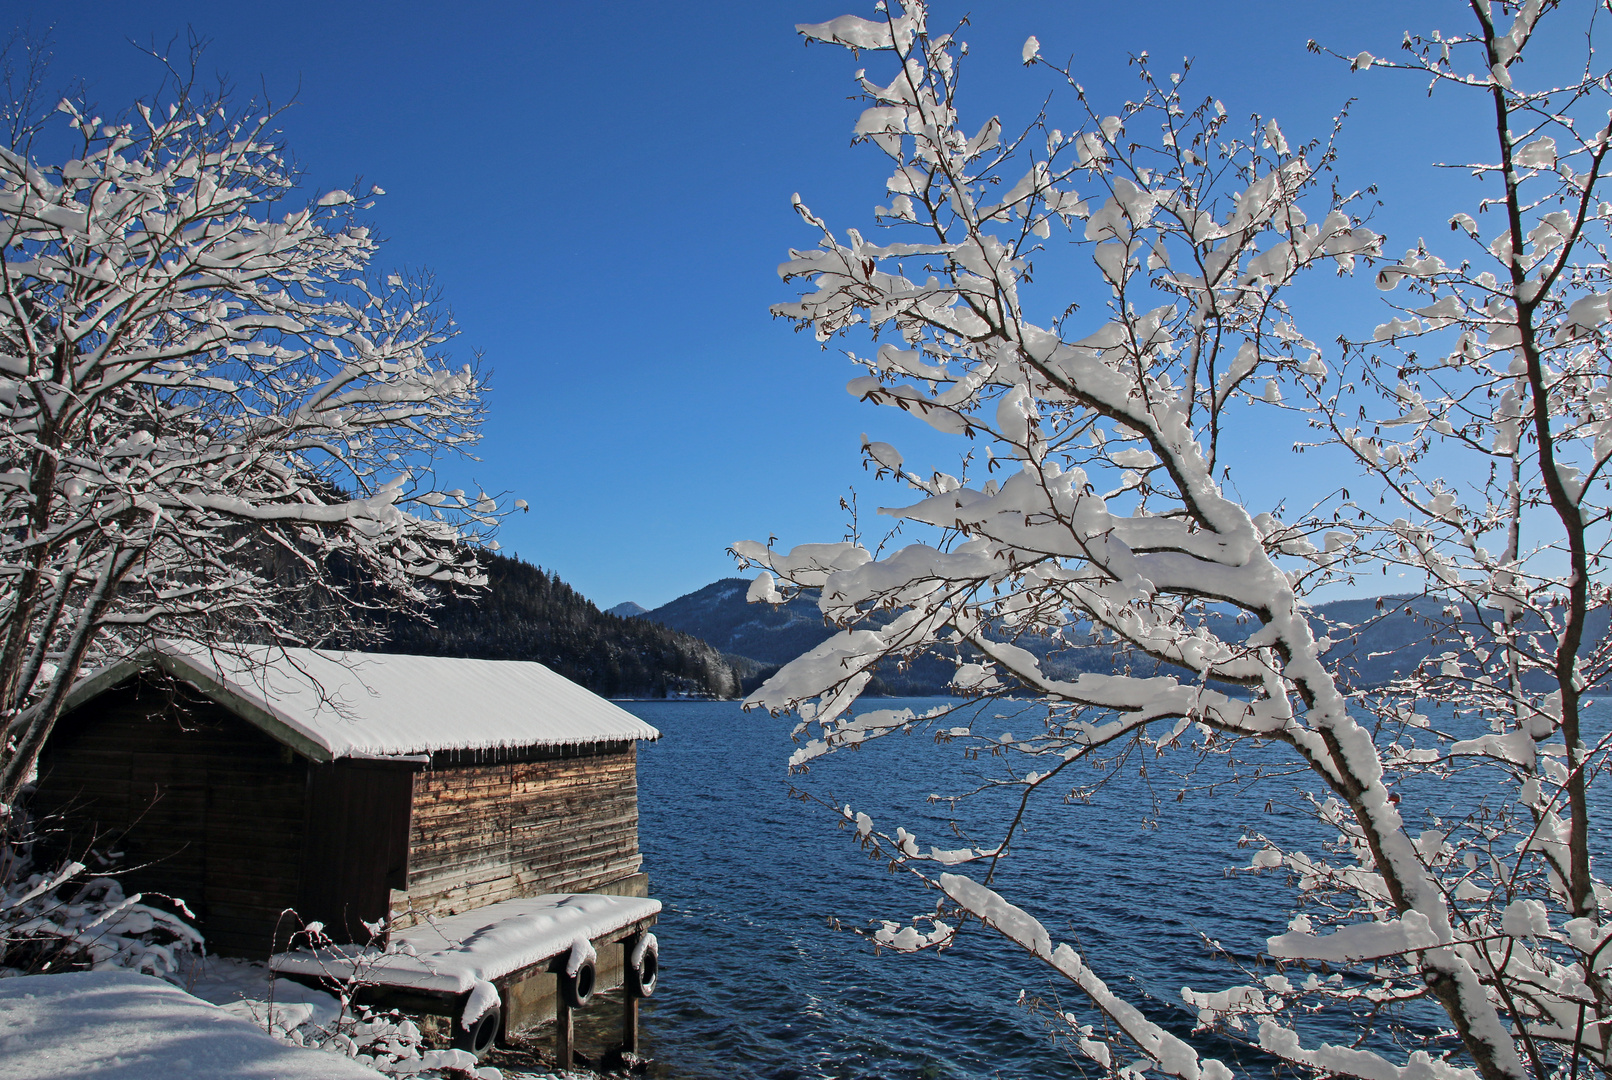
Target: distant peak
627, 610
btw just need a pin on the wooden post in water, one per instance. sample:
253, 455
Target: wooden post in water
563, 1035
629, 995
629, 1023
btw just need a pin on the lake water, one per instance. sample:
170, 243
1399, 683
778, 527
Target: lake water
756, 981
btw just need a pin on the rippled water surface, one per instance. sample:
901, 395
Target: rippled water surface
757, 983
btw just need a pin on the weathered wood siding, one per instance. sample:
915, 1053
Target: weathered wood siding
203, 806
558, 821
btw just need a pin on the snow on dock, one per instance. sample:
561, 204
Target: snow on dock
457, 953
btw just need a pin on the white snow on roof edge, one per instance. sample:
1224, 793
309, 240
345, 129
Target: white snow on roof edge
329, 704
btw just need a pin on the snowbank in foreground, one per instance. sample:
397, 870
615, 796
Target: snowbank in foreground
116, 1024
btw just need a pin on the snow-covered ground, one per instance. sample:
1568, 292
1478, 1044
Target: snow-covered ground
135, 1027
243, 988
127, 1026
212, 1016
208, 1015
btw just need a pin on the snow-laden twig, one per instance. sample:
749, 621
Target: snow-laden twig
216, 418
1101, 515
66, 919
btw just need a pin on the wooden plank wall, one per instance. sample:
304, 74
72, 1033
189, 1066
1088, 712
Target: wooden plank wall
358, 837
483, 832
202, 805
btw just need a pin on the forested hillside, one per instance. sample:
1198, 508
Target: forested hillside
528, 613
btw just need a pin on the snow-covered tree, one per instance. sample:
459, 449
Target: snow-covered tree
1092, 503
215, 418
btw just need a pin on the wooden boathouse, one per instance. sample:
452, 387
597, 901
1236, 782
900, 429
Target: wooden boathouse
355, 789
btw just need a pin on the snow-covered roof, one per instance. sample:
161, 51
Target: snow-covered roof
330, 705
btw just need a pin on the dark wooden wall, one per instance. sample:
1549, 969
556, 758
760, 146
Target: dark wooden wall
203, 806
358, 844
564, 821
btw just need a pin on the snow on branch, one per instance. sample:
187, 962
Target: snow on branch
220, 422
1091, 518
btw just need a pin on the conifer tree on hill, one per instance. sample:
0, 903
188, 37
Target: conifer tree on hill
527, 613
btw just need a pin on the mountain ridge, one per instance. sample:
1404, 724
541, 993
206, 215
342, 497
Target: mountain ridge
1383, 637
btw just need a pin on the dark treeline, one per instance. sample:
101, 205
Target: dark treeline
528, 613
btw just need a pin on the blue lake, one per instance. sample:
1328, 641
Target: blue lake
757, 982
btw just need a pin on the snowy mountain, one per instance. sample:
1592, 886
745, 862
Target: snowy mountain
626, 610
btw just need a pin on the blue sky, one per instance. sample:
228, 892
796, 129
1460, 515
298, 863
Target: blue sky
602, 192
